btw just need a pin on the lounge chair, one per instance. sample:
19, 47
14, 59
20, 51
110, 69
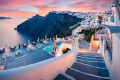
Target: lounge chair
28, 49
8, 55
39, 45
32, 48
12, 54
16, 53
3, 56
20, 52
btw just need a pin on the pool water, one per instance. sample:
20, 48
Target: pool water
48, 49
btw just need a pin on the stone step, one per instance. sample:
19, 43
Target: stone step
78, 75
91, 70
96, 64
90, 54
97, 55
95, 58
62, 76
89, 59
87, 56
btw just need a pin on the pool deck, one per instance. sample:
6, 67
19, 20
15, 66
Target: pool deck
28, 57
34, 57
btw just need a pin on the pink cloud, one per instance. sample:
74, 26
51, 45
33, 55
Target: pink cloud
48, 5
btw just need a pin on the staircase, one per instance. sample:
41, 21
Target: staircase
83, 44
89, 66
95, 43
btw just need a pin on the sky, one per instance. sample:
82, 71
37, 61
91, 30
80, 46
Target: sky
42, 7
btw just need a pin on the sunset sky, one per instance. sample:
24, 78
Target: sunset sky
42, 7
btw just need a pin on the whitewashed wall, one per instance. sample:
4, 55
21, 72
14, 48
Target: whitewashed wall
116, 19
113, 64
46, 70
116, 56
63, 46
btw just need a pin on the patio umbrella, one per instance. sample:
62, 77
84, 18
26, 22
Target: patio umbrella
56, 37
46, 37
38, 40
5, 46
28, 42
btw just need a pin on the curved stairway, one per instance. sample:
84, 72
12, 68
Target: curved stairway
89, 66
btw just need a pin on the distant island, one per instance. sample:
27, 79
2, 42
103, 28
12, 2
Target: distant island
52, 24
2, 18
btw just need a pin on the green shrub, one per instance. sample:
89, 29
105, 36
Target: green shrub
89, 32
65, 51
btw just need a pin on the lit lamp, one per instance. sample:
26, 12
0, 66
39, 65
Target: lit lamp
58, 54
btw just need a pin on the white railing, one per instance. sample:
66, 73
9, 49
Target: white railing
113, 64
116, 56
45, 70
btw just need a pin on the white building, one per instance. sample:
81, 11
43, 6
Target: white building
113, 16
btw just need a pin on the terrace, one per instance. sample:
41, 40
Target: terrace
27, 54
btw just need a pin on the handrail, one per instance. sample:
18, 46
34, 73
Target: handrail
108, 42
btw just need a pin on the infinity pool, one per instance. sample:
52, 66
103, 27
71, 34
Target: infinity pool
48, 49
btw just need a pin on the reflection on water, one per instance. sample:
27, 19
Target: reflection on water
10, 36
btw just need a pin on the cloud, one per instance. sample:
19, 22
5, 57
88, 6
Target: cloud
91, 5
28, 9
44, 6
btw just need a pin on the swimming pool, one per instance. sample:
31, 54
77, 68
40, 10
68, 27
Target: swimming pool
48, 49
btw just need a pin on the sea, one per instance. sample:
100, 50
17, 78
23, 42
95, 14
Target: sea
9, 36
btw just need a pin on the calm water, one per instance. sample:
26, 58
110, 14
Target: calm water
48, 49
10, 36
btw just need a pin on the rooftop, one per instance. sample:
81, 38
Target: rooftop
114, 29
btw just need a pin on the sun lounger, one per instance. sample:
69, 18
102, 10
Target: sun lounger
12, 54
39, 45
32, 48
20, 52
3, 56
8, 55
28, 49
16, 53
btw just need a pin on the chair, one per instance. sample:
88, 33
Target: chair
28, 49
8, 55
32, 48
16, 53
3, 56
20, 52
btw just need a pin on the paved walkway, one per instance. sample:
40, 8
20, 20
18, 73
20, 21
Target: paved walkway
84, 46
